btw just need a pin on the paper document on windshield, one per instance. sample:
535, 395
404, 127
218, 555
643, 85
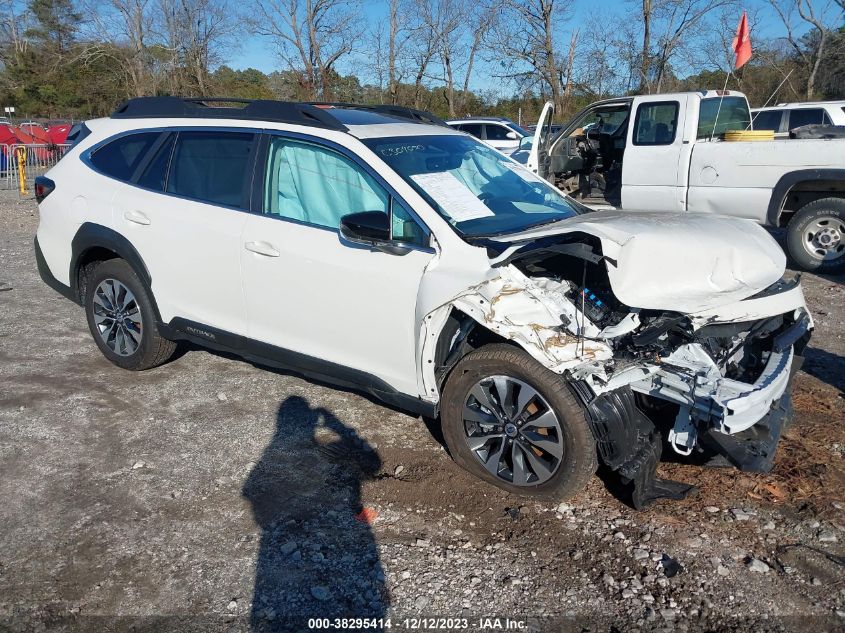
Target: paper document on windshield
454, 197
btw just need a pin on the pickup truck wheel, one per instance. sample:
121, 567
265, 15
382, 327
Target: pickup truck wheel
121, 318
515, 424
816, 236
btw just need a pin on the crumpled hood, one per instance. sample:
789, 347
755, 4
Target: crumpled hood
686, 262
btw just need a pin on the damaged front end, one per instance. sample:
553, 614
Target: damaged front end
710, 384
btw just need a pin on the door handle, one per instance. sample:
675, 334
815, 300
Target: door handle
136, 217
262, 248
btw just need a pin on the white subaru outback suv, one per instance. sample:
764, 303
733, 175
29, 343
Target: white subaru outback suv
376, 248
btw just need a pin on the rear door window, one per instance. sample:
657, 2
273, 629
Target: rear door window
807, 116
120, 158
768, 120
212, 167
155, 173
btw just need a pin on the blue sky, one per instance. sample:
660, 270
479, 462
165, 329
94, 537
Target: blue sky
259, 52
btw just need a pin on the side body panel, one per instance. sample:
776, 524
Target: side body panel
82, 195
191, 251
332, 299
737, 178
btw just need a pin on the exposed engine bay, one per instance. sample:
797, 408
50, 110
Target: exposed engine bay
710, 384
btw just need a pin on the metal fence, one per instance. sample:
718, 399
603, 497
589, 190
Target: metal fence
20, 164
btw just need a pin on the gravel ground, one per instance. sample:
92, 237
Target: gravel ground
212, 494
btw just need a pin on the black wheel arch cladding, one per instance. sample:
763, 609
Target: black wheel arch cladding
96, 238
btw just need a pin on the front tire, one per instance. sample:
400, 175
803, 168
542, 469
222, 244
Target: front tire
515, 424
816, 236
121, 318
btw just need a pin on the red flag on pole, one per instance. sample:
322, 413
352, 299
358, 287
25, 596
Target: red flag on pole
742, 42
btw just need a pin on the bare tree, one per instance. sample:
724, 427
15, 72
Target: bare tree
645, 62
427, 32
568, 70
604, 63
312, 36
484, 25
810, 50
527, 44
398, 35
13, 25
195, 35
449, 42
668, 25
125, 32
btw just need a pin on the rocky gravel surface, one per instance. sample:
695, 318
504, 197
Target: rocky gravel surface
212, 494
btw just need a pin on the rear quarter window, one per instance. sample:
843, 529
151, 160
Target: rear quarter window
121, 157
807, 116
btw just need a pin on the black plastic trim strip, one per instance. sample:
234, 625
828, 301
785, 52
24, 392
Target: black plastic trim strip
48, 278
309, 366
92, 235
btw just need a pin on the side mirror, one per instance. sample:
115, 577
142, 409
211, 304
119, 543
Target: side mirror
512, 136
371, 228
525, 142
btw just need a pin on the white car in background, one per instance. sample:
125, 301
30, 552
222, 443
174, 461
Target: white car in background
787, 116
501, 134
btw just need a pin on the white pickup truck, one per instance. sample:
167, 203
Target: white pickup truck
667, 152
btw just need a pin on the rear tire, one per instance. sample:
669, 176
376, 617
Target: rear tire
122, 319
520, 418
816, 236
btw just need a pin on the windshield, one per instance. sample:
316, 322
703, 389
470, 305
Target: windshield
604, 121
733, 115
477, 190
518, 129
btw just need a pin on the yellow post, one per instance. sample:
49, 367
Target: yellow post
20, 154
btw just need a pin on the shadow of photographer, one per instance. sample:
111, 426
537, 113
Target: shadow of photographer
315, 558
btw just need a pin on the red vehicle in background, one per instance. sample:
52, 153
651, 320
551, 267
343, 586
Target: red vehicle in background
32, 133
58, 133
36, 132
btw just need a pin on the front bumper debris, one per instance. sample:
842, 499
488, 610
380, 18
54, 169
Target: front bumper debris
753, 450
710, 402
629, 444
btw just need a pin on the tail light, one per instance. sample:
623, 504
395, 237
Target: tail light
43, 187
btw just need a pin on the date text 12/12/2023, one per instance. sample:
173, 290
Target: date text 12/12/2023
419, 624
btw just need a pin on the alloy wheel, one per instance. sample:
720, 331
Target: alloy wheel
117, 317
512, 431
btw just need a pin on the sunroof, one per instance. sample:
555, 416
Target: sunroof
351, 116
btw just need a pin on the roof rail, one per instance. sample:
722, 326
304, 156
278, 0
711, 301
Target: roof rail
420, 116
201, 107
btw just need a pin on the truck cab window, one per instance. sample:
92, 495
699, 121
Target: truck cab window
656, 123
